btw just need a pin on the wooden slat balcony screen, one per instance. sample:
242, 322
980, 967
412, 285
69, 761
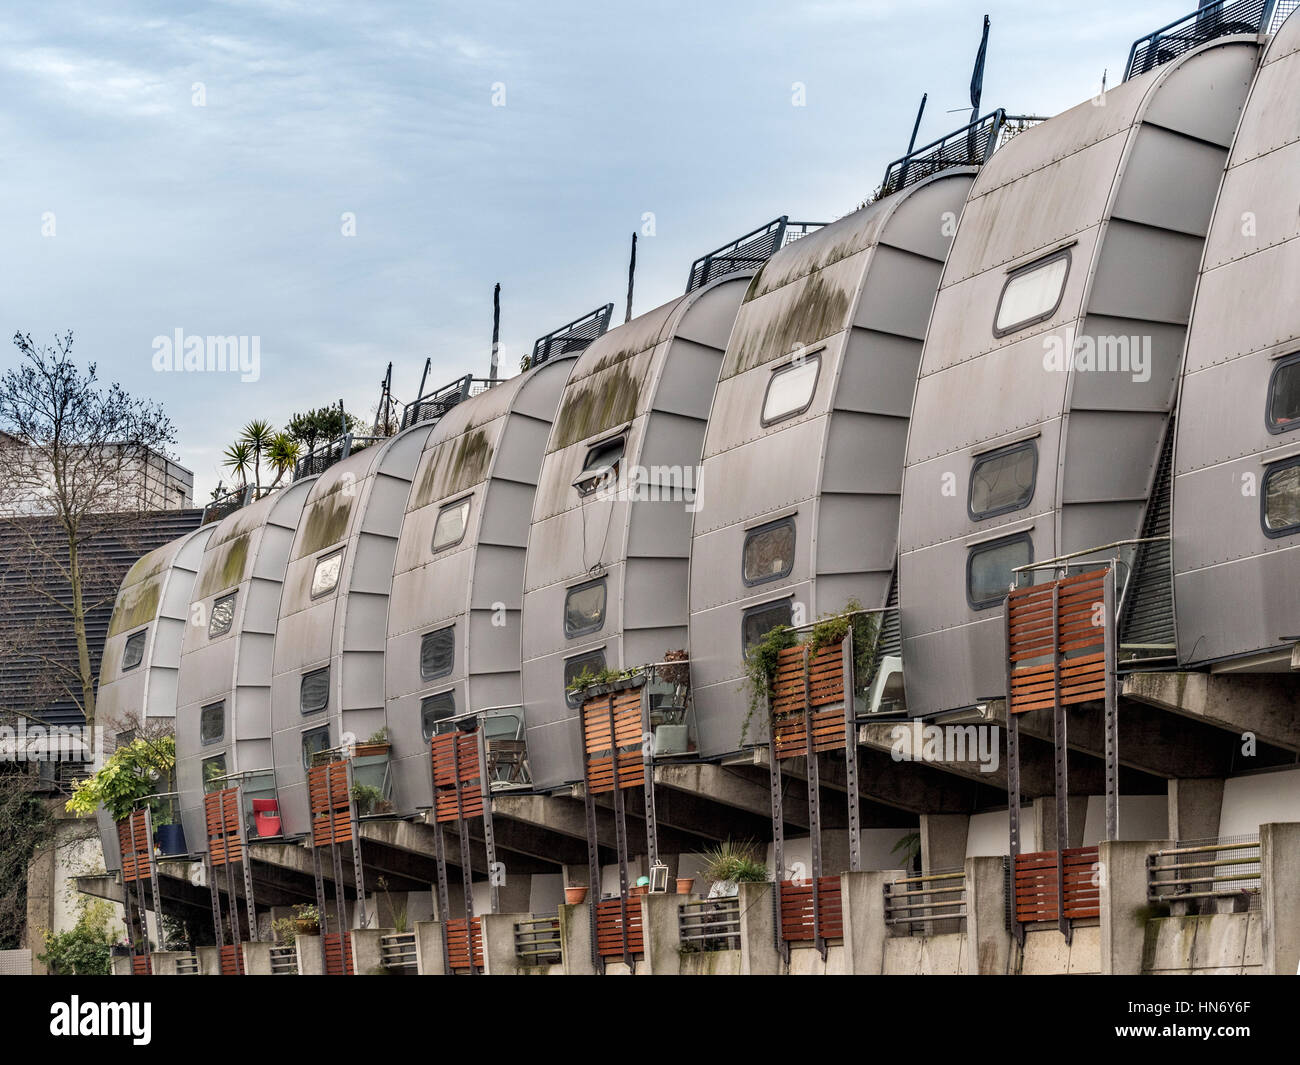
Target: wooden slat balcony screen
221, 813
338, 953
458, 943
133, 840
1057, 642
331, 805
455, 757
625, 709
797, 924
823, 695
610, 939
230, 960
1036, 888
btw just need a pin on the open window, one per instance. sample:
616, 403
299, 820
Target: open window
587, 662
1032, 293
133, 652
768, 554
212, 723
1283, 412
1280, 513
600, 471
1002, 481
758, 621
990, 569
449, 529
222, 616
584, 608
434, 709
790, 389
325, 578
438, 653
314, 691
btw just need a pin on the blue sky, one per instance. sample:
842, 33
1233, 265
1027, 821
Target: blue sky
227, 218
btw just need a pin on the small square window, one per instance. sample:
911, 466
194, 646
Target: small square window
589, 662
1281, 503
433, 709
325, 578
758, 621
790, 390
1002, 480
449, 529
212, 723
768, 554
601, 469
438, 653
990, 569
222, 616
1032, 293
1284, 396
214, 773
133, 652
314, 741
584, 608
314, 693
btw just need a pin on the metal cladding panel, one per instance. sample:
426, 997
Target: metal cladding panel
1130, 206
754, 479
1234, 586
843, 546
716, 571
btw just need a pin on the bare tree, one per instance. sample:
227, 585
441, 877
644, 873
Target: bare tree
75, 458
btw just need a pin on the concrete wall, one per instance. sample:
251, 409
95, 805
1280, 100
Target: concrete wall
1259, 799
1216, 944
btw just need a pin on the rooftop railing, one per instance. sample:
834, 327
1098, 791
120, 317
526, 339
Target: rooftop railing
969, 146
431, 406
227, 503
572, 336
748, 252
323, 456
1220, 19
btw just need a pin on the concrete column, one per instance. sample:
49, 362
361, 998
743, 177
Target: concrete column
661, 933
515, 895
758, 953
40, 905
1194, 807
943, 846
366, 955
1045, 821
121, 966
429, 959
499, 943
164, 961
310, 962
1124, 908
575, 939
865, 930
257, 959
1279, 878
209, 961
989, 942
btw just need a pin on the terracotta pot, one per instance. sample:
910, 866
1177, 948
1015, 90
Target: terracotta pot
307, 927
575, 895
639, 889
684, 884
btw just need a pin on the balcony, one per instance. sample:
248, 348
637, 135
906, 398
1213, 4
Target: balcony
504, 744
323, 456
1209, 22
571, 337
748, 252
434, 405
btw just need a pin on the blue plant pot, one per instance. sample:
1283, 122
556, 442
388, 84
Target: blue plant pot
170, 839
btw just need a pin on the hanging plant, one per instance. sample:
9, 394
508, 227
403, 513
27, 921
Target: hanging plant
760, 667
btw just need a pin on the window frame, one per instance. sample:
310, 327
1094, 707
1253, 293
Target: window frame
302, 742
143, 634
436, 695
587, 630
984, 547
233, 597
451, 666
769, 526
1021, 271
593, 450
302, 683
219, 705
757, 608
467, 502
1269, 471
789, 367
977, 461
1286, 362
203, 776
338, 551
590, 652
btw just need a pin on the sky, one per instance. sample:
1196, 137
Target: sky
343, 183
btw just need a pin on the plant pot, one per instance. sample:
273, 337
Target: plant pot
307, 927
684, 884
368, 750
724, 889
575, 895
639, 889
170, 839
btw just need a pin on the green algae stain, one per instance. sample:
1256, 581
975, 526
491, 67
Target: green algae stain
456, 465
136, 605
597, 403
326, 521
224, 568
820, 310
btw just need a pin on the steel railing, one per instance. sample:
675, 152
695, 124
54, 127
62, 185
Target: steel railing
284, 960
709, 924
971, 145
572, 336
226, 504
1207, 23
1225, 867
397, 951
188, 965
747, 252
917, 900
537, 941
432, 406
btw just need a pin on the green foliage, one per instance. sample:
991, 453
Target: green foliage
285, 930
738, 862
25, 825
320, 425
86, 948
380, 735
588, 679
760, 667
908, 847
305, 911
239, 459
366, 796
130, 774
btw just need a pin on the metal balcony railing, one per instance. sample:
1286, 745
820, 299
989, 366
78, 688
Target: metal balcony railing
916, 901
189, 965
1220, 19
397, 952
1226, 867
431, 406
227, 503
709, 924
537, 941
572, 336
284, 960
969, 146
748, 252
323, 456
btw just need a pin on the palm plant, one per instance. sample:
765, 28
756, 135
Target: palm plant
258, 435
239, 459
282, 453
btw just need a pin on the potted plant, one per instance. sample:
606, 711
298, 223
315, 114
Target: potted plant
641, 887
169, 838
728, 865
306, 919
575, 893
285, 931
377, 744
685, 884
366, 796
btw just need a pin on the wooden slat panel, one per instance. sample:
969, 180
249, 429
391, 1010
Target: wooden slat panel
797, 910
338, 954
609, 928
458, 943
230, 960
